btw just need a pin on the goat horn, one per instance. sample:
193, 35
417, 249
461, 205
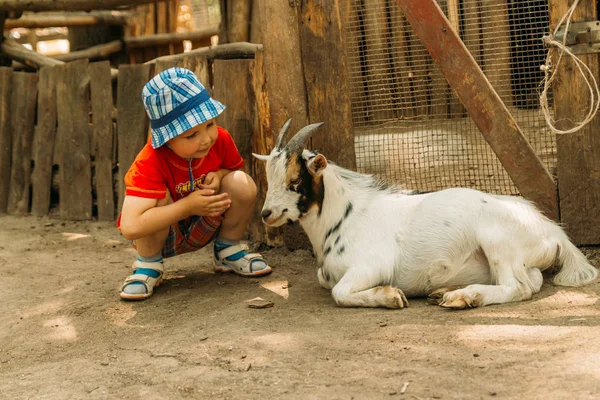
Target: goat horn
282, 132
296, 144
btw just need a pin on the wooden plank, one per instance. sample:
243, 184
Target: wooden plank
286, 92
282, 52
326, 69
24, 96
496, 47
255, 28
440, 90
132, 123
72, 93
197, 64
419, 62
455, 107
102, 132
262, 143
238, 16
578, 153
45, 136
233, 87
402, 89
6, 80
378, 68
482, 103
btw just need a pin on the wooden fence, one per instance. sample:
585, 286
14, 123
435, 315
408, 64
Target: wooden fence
87, 131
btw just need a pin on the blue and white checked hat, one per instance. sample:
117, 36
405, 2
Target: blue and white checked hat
176, 101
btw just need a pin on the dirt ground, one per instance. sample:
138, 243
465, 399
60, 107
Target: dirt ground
65, 334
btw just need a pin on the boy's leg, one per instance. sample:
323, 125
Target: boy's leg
229, 253
148, 268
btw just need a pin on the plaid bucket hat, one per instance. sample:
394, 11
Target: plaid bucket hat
176, 101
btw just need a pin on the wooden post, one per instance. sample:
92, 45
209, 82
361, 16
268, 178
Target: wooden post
440, 91
238, 17
45, 137
482, 103
262, 143
282, 53
132, 123
286, 92
102, 132
325, 69
455, 107
24, 97
578, 153
496, 47
73, 146
378, 67
403, 98
232, 85
6, 79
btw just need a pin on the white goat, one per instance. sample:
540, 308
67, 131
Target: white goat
377, 244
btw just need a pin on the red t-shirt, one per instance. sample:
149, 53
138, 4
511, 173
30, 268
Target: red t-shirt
155, 171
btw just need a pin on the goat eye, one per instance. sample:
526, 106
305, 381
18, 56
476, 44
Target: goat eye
294, 185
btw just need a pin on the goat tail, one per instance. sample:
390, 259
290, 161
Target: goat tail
576, 269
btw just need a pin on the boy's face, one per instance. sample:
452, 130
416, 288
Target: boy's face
195, 142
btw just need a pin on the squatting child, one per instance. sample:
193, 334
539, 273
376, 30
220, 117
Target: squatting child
185, 188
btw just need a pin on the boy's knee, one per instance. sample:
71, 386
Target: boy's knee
240, 186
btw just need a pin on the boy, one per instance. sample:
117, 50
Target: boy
185, 188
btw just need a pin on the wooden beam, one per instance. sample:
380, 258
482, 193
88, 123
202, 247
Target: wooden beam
483, 104
20, 53
94, 52
222, 51
162, 39
48, 20
67, 5
578, 153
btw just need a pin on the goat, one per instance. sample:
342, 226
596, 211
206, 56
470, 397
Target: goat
377, 244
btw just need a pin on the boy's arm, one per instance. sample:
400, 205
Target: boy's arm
141, 217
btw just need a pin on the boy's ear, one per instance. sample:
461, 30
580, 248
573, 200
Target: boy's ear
260, 157
316, 165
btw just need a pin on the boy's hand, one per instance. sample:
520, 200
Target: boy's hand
206, 203
212, 180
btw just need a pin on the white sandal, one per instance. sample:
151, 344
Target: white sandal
147, 281
242, 266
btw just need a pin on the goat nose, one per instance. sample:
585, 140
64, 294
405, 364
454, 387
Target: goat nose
265, 214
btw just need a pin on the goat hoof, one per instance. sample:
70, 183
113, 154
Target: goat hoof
459, 301
456, 304
398, 299
436, 297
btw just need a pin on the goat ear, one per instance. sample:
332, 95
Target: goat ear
316, 165
260, 157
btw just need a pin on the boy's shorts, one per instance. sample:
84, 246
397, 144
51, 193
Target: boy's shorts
190, 235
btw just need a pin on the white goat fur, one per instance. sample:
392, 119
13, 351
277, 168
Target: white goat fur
377, 245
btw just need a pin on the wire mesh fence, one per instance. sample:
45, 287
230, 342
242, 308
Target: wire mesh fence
409, 125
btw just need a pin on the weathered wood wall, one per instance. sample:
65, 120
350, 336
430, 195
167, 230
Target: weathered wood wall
578, 153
